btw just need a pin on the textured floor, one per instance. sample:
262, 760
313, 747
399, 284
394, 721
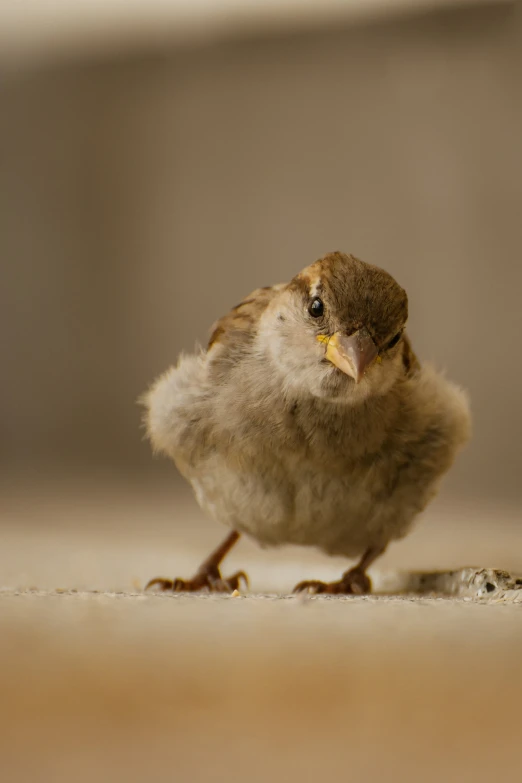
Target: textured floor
100, 682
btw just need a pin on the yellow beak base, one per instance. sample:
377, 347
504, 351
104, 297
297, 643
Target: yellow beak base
351, 354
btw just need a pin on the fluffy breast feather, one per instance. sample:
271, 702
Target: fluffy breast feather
178, 411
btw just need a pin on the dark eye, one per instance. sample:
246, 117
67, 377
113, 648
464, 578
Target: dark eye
394, 342
316, 308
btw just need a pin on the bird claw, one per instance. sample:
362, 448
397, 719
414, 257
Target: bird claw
313, 586
353, 582
160, 582
209, 581
234, 581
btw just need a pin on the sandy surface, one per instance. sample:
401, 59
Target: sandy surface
115, 685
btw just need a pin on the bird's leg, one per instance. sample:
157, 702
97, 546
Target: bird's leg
208, 576
355, 581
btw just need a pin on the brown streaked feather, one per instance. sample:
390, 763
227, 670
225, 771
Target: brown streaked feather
409, 360
302, 283
239, 325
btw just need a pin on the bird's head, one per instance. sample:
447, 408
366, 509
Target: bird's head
336, 330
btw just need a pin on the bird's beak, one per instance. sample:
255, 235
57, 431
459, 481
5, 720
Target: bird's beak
352, 355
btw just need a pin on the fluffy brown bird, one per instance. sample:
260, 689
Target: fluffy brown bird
309, 420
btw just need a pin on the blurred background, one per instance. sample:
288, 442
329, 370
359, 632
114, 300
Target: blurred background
158, 161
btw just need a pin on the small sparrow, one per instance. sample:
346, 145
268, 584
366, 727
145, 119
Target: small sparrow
309, 420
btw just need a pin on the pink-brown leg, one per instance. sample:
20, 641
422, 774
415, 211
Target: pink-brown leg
355, 581
208, 576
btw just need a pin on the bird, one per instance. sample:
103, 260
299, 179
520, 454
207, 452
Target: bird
309, 420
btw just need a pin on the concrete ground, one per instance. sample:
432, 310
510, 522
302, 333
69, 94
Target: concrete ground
101, 682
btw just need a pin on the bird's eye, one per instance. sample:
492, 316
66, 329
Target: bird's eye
316, 308
394, 341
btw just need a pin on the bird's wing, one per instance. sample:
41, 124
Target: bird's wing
409, 360
237, 328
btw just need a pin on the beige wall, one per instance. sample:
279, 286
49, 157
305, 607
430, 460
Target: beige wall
139, 199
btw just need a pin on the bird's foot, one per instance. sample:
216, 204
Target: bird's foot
208, 580
353, 582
